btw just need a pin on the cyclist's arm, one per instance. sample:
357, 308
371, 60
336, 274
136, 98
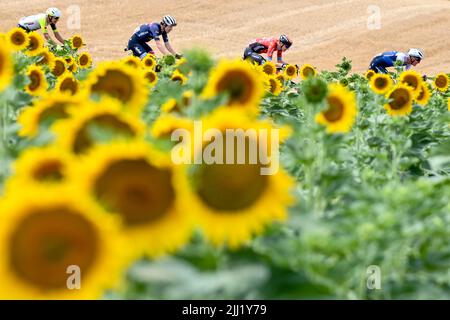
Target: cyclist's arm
43, 24
160, 47
58, 36
56, 33
169, 47
271, 50
280, 60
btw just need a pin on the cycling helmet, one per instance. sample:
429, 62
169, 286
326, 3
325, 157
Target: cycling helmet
53, 12
285, 40
416, 53
169, 21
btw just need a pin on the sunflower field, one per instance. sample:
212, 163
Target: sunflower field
87, 181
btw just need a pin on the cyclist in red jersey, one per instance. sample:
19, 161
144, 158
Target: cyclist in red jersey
268, 46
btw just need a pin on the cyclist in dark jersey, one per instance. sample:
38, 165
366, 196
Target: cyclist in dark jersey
388, 59
268, 46
147, 32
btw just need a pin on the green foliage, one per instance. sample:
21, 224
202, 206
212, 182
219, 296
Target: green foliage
379, 195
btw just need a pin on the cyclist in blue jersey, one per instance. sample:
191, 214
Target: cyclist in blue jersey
153, 31
389, 59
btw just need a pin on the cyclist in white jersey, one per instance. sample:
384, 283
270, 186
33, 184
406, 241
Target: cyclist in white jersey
42, 21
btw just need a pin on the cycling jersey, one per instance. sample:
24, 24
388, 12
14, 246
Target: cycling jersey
388, 59
148, 32
266, 45
33, 23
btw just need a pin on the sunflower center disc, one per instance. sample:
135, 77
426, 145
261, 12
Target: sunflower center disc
35, 81
116, 84
230, 187
138, 191
335, 109
50, 170
69, 85
380, 83
412, 82
48, 241
441, 82
58, 111
109, 125
400, 97
237, 85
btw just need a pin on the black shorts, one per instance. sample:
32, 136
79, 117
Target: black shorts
253, 56
139, 48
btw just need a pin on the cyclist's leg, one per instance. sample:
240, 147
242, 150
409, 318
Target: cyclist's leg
247, 53
258, 58
137, 49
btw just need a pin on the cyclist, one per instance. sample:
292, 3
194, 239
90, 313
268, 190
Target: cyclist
389, 59
147, 32
42, 21
268, 46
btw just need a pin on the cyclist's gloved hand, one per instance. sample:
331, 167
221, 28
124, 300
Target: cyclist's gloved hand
284, 65
178, 56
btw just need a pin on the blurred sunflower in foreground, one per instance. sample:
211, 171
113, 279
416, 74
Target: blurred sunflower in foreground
45, 234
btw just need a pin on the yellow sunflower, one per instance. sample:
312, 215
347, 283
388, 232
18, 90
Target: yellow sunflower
18, 39
413, 79
171, 105
424, 96
121, 82
46, 58
166, 124
441, 82
290, 72
57, 244
6, 65
186, 98
132, 61
275, 87
448, 104
381, 83
68, 84
84, 60
269, 68
76, 42
73, 68
95, 123
60, 67
177, 76
401, 98
239, 81
137, 183
38, 83
232, 202
280, 77
69, 60
306, 71
149, 62
340, 114
36, 43
369, 74
40, 166
49, 108
151, 77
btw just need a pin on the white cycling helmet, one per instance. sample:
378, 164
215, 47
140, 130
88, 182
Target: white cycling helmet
416, 53
54, 12
169, 21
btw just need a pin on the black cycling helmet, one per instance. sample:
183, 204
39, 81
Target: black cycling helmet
284, 39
